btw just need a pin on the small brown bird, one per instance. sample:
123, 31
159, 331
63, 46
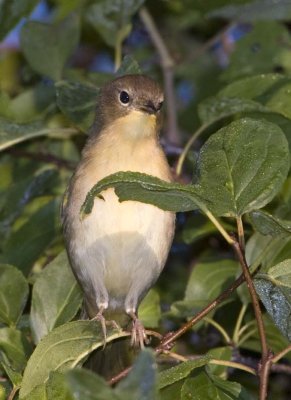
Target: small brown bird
119, 250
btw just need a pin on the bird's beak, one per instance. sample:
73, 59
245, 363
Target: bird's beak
150, 108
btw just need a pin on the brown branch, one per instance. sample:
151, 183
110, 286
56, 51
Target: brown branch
167, 64
13, 392
266, 360
169, 338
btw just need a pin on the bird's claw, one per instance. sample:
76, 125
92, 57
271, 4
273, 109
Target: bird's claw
138, 334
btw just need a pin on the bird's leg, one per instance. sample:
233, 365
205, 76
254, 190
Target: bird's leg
99, 317
138, 333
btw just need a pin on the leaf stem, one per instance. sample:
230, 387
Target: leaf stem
240, 232
13, 392
218, 225
220, 329
236, 332
281, 354
233, 364
188, 146
117, 53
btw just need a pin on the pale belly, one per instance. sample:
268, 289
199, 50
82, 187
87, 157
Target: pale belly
122, 246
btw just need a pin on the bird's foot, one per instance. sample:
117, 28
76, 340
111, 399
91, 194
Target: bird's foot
138, 332
100, 317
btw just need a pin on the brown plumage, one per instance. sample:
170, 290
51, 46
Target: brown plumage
120, 249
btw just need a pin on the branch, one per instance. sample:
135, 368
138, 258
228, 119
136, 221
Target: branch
266, 360
167, 64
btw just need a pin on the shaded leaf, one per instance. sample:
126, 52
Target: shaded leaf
141, 381
13, 294
78, 102
208, 387
208, 280
14, 376
11, 12
111, 18
60, 41
243, 166
255, 10
65, 347
216, 108
268, 224
33, 237
128, 66
50, 309
181, 371
14, 345
86, 385
12, 133
259, 51
274, 289
149, 311
253, 87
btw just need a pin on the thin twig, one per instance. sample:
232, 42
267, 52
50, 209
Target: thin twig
281, 354
167, 64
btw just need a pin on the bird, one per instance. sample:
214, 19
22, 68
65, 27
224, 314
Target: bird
119, 250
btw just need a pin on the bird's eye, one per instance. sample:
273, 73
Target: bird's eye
124, 97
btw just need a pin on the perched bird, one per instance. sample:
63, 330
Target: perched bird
118, 251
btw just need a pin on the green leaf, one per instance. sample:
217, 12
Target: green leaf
280, 101
208, 280
48, 47
215, 108
12, 133
14, 376
27, 243
145, 188
268, 224
50, 309
128, 66
111, 18
149, 311
243, 166
274, 289
219, 353
181, 371
14, 345
86, 385
65, 347
77, 101
141, 381
11, 12
13, 294
208, 387
57, 387
38, 393
260, 51
255, 10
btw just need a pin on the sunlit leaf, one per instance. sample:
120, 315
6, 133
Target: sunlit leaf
65, 347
